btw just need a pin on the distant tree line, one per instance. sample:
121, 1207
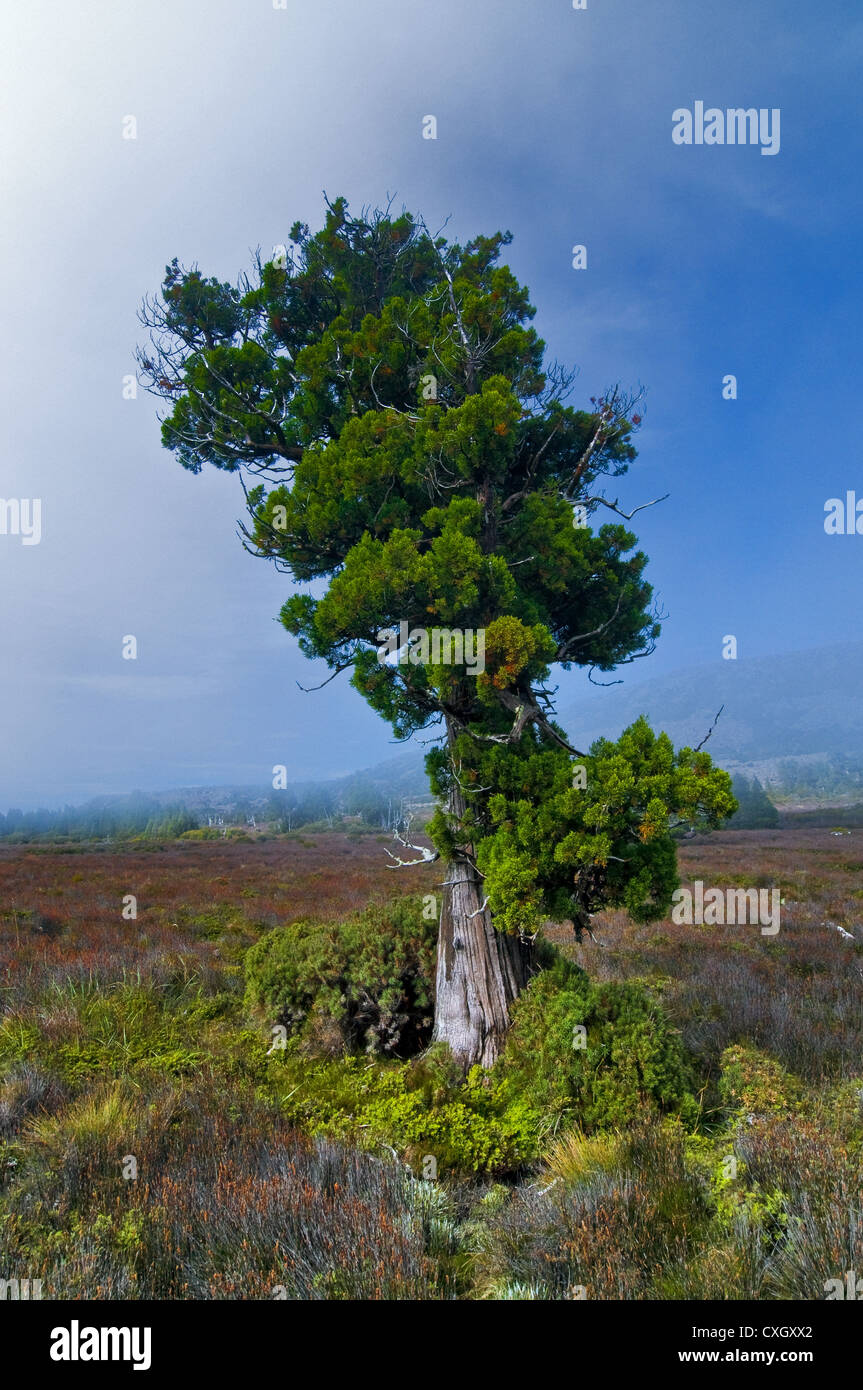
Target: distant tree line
755, 809
828, 776
142, 816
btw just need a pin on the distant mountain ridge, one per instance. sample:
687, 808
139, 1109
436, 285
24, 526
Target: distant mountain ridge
801, 705
802, 708
783, 718
401, 776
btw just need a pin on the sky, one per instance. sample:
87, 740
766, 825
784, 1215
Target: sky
703, 261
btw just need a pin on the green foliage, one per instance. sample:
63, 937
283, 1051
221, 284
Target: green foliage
416, 455
421, 1109
753, 1083
126, 1030
548, 848
632, 1058
366, 981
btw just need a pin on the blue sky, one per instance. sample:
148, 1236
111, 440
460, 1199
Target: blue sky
554, 123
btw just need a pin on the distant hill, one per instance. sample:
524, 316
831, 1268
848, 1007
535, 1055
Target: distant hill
379, 796
786, 719
795, 722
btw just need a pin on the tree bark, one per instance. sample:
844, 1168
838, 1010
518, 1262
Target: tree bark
480, 971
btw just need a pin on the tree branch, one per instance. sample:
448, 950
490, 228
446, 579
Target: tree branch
698, 748
613, 507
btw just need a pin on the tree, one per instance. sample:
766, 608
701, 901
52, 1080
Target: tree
755, 810
405, 448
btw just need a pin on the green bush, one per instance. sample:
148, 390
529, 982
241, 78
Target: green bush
487, 1122
416, 1108
753, 1082
362, 983
594, 1054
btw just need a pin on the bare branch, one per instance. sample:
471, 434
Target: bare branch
698, 748
603, 684
613, 507
343, 666
428, 855
428, 858
562, 653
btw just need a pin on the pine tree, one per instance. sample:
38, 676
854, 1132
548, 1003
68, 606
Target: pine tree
403, 442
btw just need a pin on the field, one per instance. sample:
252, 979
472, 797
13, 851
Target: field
160, 1137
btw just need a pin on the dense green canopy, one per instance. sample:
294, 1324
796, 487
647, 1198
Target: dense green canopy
411, 458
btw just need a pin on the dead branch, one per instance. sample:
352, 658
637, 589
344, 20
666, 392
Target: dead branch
428, 856
562, 652
627, 516
710, 730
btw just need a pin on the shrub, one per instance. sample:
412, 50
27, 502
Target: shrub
632, 1057
753, 1083
311, 978
367, 979
422, 1108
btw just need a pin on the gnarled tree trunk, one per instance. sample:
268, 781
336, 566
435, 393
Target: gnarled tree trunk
480, 972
